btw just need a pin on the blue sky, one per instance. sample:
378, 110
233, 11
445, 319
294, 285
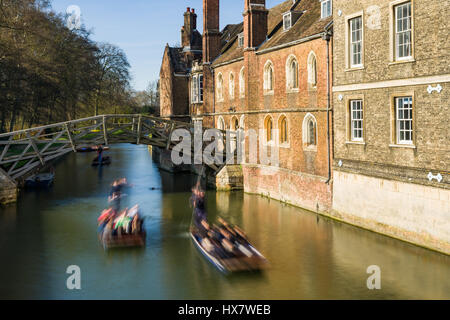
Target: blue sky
143, 27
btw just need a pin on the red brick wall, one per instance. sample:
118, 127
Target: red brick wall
306, 171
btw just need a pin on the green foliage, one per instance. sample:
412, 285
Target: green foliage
49, 73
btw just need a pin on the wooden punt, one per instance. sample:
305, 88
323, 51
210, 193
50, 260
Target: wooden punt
242, 263
41, 180
122, 241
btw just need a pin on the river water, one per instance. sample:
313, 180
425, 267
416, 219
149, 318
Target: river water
311, 257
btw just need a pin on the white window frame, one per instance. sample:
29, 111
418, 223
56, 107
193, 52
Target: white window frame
312, 69
326, 8
401, 119
292, 83
197, 89
240, 40
231, 85
269, 82
242, 83
406, 31
287, 17
353, 42
356, 117
220, 87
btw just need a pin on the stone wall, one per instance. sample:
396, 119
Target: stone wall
8, 189
419, 214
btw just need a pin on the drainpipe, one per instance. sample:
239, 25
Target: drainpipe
327, 38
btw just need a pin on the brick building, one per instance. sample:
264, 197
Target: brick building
175, 68
269, 72
391, 118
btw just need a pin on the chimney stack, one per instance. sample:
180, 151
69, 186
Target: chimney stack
190, 24
255, 23
211, 32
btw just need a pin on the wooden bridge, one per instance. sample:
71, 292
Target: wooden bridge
24, 152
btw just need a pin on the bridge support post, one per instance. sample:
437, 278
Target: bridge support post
105, 130
139, 129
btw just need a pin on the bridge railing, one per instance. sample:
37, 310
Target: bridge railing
25, 151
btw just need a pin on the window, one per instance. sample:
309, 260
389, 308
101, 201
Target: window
219, 87
231, 86
283, 127
403, 32
356, 42
312, 69
292, 73
220, 124
309, 132
356, 120
327, 8
197, 89
234, 124
268, 77
240, 40
241, 83
268, 126
404, 120
287, 21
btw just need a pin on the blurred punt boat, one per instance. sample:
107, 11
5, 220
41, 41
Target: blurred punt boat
256, 262
41, 180
123, 241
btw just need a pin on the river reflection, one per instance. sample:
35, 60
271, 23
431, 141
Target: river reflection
311, 257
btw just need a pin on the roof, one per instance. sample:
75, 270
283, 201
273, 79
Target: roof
309, 23
177, 60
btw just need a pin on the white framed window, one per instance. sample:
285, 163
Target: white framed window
197, 89
309, 132
356, 120
240, 40
403, 31
356, 42
312, 69
292, 73
327, 8
404, 120
219, 87
268, 77
242, 83
287, 21
231, 85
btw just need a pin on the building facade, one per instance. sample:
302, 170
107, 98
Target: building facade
391, 110
272, 74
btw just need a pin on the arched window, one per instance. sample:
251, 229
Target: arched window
309, 131
268, 76
283, 127
219, 87
242, 122
292, 73
268, 127
312, 69
220, 123
234, 125
231, 86
241, 83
